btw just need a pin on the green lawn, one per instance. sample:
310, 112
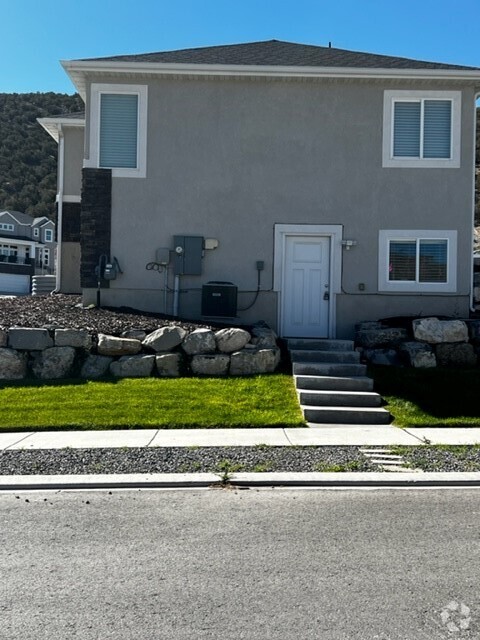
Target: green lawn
261, 401
430, 397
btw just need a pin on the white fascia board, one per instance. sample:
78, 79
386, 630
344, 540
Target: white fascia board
77, 69
52, 125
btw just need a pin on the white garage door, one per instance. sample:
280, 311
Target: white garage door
14, 283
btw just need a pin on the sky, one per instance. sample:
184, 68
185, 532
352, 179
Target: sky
37, 34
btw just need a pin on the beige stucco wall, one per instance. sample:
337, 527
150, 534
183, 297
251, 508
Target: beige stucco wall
230, 159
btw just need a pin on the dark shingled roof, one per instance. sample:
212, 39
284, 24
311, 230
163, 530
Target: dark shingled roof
279, 53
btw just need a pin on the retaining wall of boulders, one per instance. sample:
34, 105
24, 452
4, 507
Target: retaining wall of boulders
170, 351
423, 343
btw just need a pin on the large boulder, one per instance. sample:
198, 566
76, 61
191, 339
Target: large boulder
95, 367
135, 334
435, 331
474, 330
210, 365
165, 338
264, 338
13, 365
247, 362
113, 346
199, 341
29, 339
78, 338
3, 337
456, 355
230, 340
168, 365
378, 337
418, 354
133, 366
53, 363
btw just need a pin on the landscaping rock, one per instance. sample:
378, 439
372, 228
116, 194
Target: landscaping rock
80, 339
474, 330
368, 325
29, 339
133, 366
371, 338
264, 338
3, 338
388, 357
199, 341
456, 355
210, 365
418, 354
244, 363
53, 363
95, 367
13, 365
230, 340
435, 331
113, 346
168, 365
134, 334
165, 338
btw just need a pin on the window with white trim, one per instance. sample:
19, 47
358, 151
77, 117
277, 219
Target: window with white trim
417, 261
421, 129
36, 232
48, 235
6, 226
46, 257
118, 138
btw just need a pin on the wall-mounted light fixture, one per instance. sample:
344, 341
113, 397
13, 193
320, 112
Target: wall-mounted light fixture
348, 244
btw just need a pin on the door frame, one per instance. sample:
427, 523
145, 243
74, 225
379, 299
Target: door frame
332, 231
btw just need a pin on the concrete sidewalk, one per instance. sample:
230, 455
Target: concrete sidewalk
327, 435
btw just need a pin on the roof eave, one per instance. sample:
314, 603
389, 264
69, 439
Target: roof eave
78, 69
53, 125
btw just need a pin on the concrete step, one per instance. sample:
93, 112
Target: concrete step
339, 398
320, 344
328, 369
333, 383
307, 355
346, 415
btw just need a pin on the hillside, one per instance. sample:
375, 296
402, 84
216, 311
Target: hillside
28, 155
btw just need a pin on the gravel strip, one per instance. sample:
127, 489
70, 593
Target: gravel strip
442, 457
182, 460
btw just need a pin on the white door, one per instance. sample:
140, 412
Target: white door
306, 287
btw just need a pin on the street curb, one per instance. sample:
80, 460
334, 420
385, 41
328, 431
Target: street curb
268, 479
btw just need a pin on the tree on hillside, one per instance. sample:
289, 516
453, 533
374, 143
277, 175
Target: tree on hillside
28, 155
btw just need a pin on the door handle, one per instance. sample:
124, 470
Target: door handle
326, 296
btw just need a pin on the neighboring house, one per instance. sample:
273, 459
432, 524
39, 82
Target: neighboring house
341, 182
27, 247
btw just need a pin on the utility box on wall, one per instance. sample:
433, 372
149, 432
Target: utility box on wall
219, 299
188, 253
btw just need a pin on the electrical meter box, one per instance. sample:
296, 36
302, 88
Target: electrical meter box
219, 299
188, 253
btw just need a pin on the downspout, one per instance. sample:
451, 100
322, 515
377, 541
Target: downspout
472, 284
61, 158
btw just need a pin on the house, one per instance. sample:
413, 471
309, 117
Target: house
328, 186
27, 247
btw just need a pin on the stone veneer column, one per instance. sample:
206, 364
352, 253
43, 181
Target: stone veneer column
95, 222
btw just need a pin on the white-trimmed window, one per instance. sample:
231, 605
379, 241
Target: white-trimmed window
36, 232
48, 235
6, 226
118, 129
46, 257
421, 129
417, 261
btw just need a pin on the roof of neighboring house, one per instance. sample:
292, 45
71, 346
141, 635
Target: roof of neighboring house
39, 221
21, 218
52, 124
8, 239
280, 53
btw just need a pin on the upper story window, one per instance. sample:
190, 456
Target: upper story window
421, 129
48, 235
36, 232
118, 129
6, 226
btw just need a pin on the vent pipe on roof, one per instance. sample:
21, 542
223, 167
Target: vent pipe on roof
329, 45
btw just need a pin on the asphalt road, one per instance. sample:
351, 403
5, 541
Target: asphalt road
232, 565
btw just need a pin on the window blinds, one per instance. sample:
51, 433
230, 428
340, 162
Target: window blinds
118, 130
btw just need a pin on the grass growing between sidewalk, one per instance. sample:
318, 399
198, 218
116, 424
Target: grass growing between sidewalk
261, 401
430, 397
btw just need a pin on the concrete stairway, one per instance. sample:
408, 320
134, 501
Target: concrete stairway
331, 383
